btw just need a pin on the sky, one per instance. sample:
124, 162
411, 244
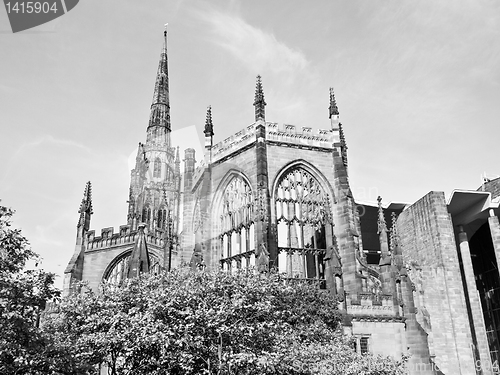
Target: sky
417, 84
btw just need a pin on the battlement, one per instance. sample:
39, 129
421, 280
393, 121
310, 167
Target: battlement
235, 142
125, 236
286, 133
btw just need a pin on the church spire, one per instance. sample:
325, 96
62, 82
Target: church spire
259, 103
333, 109
160, 107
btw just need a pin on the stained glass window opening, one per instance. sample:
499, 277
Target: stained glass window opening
301, 212
157, 168
236, 225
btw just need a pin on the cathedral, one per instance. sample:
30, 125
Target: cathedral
415, 279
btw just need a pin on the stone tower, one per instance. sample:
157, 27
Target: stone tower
148, 242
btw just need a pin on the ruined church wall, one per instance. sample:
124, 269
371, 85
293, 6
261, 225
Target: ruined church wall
242, 163
428, 244
96, 262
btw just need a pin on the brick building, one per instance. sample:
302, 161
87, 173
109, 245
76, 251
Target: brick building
419, 279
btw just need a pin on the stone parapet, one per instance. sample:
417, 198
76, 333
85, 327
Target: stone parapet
289, 134
109, 239
233, 143
370, 304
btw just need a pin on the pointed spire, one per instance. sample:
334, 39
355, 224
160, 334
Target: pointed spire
209, 126
86, 207
259, 102
382, 226
139, 259
333, 109
160, 107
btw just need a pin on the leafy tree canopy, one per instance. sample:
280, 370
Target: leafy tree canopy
201, 322
23, 296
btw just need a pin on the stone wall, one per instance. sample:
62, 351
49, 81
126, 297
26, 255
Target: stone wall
429, 249
492, 186
385, 336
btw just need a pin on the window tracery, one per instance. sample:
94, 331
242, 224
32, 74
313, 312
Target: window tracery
302, 211
237, 232
118, 272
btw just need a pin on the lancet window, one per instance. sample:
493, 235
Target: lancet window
162, 218
157, 168
146, 214
237, 232
302, 212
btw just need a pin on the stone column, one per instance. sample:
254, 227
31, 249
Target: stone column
495, 234
478, 328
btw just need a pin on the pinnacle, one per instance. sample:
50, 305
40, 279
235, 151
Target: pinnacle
334, 110
209, 127
382, 226
259, 102
86, 205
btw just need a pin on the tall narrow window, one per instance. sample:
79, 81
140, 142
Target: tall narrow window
157, 168
162, 217
146, 214
302, 209
236, 218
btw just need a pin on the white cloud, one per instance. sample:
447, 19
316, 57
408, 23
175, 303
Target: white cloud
257, 49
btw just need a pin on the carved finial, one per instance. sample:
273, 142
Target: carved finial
86, 207
209, 126
382, 226
333, 109
165, 31
259, 103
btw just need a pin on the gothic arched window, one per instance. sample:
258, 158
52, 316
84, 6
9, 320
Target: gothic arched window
302, 211
146, 214
162, 218
237, 231
118, 270
157, 168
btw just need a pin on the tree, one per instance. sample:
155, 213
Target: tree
23, 297
201, 322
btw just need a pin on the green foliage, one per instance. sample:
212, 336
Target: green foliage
23, 296
199, 322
